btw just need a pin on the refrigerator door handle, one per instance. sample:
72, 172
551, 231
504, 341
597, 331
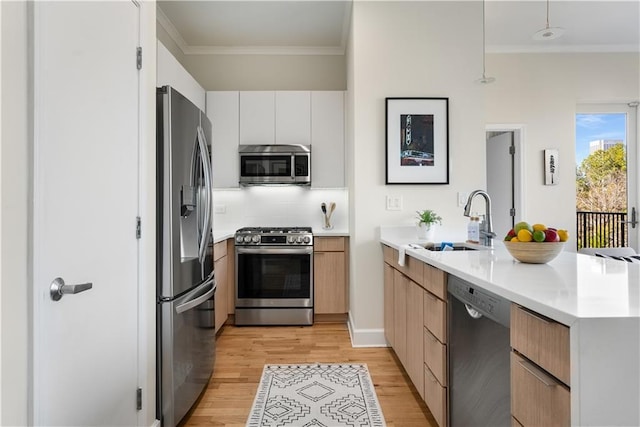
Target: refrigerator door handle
206, 167
181, 308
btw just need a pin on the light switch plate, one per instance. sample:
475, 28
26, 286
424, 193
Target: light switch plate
394, 203
462, 199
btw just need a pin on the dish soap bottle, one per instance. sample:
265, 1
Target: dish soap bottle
473, 229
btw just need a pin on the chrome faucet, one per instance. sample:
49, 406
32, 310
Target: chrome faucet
486, 227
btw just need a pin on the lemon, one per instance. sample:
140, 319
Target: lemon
563, 235
539, 227
525, 235
514, 239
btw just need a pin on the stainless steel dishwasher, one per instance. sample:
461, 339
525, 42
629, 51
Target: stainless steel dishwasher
479, 370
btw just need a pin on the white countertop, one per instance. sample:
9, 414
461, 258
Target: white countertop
570, 287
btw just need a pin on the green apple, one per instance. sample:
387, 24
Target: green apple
523, 225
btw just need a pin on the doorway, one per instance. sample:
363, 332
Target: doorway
607, 175
504, 165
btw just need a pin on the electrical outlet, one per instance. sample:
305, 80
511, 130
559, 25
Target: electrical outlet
394, 203
220, 209
462, 199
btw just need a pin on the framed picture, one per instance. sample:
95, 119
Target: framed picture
417, 140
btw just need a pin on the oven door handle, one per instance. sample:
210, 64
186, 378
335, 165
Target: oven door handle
277, 251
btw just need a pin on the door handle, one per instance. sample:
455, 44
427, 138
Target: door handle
634, 219
58, 288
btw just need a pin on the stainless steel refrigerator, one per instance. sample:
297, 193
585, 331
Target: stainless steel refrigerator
185, 276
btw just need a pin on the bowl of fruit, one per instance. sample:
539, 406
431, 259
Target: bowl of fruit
535, 244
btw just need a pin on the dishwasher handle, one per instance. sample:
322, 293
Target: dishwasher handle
475, 314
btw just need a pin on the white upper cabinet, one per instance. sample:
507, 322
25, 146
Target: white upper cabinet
293, 117
223, 111
257, 117
327, 139
279, 117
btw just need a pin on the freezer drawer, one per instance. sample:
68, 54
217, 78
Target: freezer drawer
187, 352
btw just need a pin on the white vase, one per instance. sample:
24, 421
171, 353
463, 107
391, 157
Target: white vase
426, 231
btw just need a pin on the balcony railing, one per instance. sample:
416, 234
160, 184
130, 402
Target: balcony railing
601, 229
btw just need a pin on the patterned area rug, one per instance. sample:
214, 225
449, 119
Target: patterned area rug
316, 396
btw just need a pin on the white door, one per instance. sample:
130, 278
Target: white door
597, 122
504, 177
84, 213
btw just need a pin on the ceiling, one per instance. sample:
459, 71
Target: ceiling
321, 27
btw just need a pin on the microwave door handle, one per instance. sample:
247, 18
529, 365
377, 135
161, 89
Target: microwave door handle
293, 166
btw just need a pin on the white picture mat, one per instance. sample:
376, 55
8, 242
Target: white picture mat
436, 174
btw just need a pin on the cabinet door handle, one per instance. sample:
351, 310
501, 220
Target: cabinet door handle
538, 374
535, 315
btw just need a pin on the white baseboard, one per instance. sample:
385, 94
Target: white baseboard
366, 337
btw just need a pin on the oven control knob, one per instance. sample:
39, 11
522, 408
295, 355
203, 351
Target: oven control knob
247, 239
239, 239
299, 239
306, 239
291, 239
256, 239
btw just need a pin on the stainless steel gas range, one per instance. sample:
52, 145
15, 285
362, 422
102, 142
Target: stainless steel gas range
274, 276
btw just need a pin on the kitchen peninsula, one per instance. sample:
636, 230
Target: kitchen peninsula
595, 301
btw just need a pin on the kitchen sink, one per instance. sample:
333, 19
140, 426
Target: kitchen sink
457, 246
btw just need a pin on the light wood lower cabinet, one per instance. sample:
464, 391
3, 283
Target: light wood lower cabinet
222, 283
413, 318
537, 398
330, 275
400, 286
540, 366
435, 396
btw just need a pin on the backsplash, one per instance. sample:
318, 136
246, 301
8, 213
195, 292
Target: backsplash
274, 206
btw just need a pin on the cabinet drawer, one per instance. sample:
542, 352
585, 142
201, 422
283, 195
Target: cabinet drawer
435, 315
412, 268
435, 396
537, 398
329, 244
435, 356
219, 250
435, 281
542, 340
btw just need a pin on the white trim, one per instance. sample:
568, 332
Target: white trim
612, 48
366, 337
263, 50
171, 30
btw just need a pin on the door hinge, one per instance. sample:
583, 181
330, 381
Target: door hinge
139, 399
512, 212
512, 149
138, 227
139, 58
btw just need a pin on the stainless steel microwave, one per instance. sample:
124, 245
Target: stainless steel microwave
275, 164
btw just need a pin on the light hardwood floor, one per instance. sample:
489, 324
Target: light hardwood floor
242, 352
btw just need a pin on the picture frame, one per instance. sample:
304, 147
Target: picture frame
551, 166
417, 140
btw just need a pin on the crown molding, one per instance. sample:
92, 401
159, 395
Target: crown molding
263, 50
171, 30
625, 48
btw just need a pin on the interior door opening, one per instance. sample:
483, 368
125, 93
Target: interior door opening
504, 175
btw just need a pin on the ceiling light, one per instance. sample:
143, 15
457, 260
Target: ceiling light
484, 79
548, 33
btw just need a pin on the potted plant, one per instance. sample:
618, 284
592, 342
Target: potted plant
427, 219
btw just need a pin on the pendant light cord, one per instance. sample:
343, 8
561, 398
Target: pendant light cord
548, 13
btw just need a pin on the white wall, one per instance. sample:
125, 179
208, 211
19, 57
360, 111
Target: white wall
541, 91
170, 72
408, 49
267, 72
14, 281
